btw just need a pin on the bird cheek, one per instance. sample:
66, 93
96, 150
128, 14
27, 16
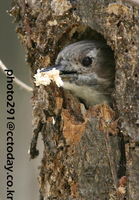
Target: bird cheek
86, 70
86, 79
81, 80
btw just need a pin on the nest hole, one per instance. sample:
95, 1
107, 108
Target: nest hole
77, 33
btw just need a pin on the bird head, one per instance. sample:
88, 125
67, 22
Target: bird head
87, 69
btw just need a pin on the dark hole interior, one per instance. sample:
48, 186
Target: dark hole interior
77, 33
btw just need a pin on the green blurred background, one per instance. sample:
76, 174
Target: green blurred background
12, 54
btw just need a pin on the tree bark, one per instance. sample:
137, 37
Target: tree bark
88, 154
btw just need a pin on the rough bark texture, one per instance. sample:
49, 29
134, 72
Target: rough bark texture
85, 154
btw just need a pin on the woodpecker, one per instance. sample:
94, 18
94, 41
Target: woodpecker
87, 69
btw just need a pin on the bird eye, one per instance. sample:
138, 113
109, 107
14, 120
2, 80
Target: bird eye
87, 61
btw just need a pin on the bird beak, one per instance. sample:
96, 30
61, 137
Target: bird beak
63, 70
58, 67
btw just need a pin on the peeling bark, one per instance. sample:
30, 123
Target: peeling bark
86, 152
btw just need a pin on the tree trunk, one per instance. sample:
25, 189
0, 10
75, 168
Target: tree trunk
88, 154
